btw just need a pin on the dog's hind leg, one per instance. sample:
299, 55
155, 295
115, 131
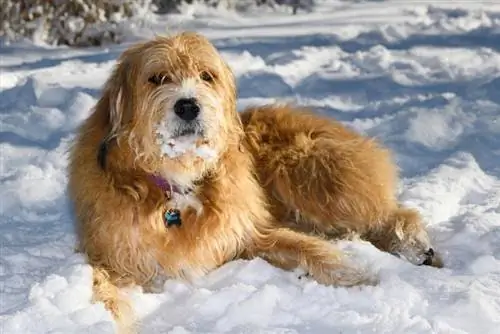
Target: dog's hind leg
336, 192
322, 178
288, 250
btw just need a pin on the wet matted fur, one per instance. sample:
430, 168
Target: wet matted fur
120, 208
322, 178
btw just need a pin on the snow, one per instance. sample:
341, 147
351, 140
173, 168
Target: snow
423, 77
176, 147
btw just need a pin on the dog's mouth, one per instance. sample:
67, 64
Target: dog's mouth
186, 138
190, 129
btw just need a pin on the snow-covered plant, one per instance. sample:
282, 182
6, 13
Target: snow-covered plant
297, 4
294, 5
168, 6
69, 22
96, 22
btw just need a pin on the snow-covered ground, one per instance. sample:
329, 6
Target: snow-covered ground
423, 76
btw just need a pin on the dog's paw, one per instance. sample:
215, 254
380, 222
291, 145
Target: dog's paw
421, 258
304, 276
432, 259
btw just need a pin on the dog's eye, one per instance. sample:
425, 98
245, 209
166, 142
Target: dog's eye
206, 76
159, 79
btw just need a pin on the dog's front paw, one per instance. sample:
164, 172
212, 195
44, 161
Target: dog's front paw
344, 276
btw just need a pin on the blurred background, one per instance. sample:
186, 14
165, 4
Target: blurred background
94, 22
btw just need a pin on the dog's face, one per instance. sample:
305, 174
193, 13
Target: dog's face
173, 101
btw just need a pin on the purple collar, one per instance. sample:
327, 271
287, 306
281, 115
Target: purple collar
167, 187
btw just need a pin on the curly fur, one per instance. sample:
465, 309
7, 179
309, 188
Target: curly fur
325, 179
119, 210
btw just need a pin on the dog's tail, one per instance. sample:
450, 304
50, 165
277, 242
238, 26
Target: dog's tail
323, 261
110, 295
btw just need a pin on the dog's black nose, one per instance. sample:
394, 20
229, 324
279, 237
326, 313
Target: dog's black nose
187, 109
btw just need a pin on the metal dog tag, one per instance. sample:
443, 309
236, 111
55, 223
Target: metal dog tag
172, 217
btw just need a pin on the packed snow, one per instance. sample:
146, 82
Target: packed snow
421, 76
178, 146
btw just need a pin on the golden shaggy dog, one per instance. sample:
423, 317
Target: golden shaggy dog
163, 181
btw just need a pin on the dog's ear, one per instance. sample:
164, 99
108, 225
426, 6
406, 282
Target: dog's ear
116, 104
120, 99
119, 109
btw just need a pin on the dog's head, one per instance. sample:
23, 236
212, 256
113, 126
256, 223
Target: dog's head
172, 100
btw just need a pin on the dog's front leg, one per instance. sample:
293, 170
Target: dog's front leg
106, 289
288, 249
